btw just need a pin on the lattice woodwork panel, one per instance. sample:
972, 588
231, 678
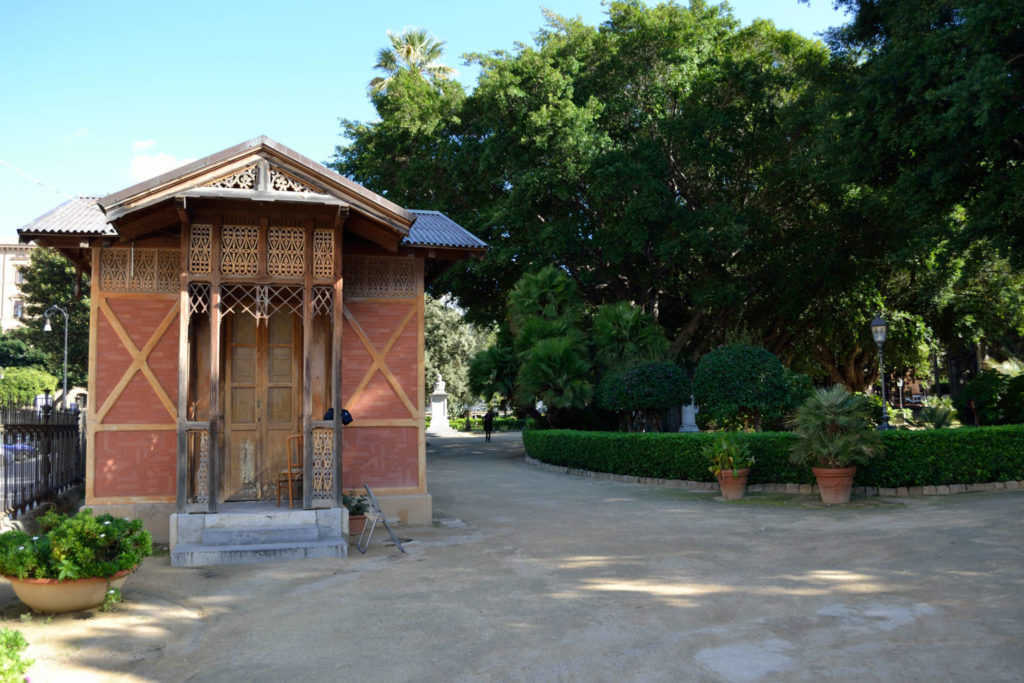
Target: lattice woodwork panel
199, 249
285, 182
323, 254
323, 301
260, 301
199, 466
139, 270
380, 277
239, 250
198, 298
323, 466
244, 179
286, 252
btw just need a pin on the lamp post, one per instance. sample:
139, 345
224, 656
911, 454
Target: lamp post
49, 328
879, 330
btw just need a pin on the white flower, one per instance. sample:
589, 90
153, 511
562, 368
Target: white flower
106, 523
35, 538
21, 547
102, 535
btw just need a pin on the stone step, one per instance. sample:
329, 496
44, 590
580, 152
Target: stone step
200, 555
256, 535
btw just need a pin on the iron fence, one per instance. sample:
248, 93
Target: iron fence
43, 454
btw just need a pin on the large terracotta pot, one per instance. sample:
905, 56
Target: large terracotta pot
733, 486
835, 483
356, 524
54, 597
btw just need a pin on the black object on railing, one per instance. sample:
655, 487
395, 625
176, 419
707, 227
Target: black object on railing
42, 455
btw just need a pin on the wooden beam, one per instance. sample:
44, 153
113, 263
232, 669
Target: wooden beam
214, 464
183, 319
307, 370
90, 407
337, 327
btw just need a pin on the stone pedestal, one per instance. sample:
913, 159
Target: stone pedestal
439, 410
690, 417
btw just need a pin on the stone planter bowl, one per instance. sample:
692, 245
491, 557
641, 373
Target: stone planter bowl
56, 597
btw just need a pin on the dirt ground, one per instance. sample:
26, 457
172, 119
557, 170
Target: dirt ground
529, 575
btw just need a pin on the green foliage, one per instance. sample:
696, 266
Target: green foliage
913, 458
357, 504
13, 666
623, 334
492, 371
111, 600
414, 51
450, 344
982, 399
648, 388
1013, 401
556, 371
78, 547
728, 452
23, 384
834, 429
501, 424
739, 386
938, 413
51, 279
14, 352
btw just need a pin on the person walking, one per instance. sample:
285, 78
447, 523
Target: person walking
488, 424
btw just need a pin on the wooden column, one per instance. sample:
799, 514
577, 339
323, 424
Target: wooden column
214, 464
307, 371
337, 325
183, 319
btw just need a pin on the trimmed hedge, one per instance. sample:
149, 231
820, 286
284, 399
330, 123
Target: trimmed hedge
476, 424
911, 458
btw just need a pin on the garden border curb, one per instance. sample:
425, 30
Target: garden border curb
863, 491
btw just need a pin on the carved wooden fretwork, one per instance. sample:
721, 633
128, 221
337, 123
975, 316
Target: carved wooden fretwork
323, 300
323, 467
260, 301
285, 182
198, 298
139, 270
199, 466
323, 254
380, 277
244, 179
239, 250
199, 249
286, 252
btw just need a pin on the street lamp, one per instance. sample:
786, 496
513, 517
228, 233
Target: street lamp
879, 330
49, 328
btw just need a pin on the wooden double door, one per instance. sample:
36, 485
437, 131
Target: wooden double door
263, 406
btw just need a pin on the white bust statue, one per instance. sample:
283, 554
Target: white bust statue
439, 387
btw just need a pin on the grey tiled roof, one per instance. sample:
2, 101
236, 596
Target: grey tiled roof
82, 215
77, 216
434, 229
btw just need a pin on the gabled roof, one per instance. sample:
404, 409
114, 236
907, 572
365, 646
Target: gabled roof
83, 216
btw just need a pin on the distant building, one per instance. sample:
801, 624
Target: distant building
12, 305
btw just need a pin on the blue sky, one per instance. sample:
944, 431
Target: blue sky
95, 96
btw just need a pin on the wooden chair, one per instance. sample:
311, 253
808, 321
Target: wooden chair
293, 474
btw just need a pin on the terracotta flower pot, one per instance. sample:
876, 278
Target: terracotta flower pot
835, 483
54, 597
355, 524
733, 486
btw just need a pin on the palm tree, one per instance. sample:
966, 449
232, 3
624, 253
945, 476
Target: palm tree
413, 50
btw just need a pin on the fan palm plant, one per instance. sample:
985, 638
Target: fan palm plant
834, 430
413, 50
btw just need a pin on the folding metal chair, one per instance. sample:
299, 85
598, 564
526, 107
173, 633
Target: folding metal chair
376, 514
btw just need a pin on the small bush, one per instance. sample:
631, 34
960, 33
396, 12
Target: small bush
649, 387
1013, 401
740, 386
985, 393
937, 413
834, 429
12, 666
912, 458
728, 452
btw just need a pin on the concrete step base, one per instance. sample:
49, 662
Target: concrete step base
201, 555
257, 535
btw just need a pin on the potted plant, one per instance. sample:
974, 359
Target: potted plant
834, 434
357, 505
75, 561
730, 463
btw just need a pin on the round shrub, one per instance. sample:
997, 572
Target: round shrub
1013, 401
647, 387
740, 386
986, 391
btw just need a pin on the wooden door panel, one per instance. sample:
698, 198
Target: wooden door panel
242, 417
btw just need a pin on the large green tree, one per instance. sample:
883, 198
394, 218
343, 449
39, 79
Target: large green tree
450, 344
49, 278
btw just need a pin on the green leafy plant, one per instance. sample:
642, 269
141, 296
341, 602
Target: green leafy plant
938, 413
12, 665
982, 399
739, 386
727, 452
833, 429
649, 388
1013, 401
357, 504
111, 600
78, 547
